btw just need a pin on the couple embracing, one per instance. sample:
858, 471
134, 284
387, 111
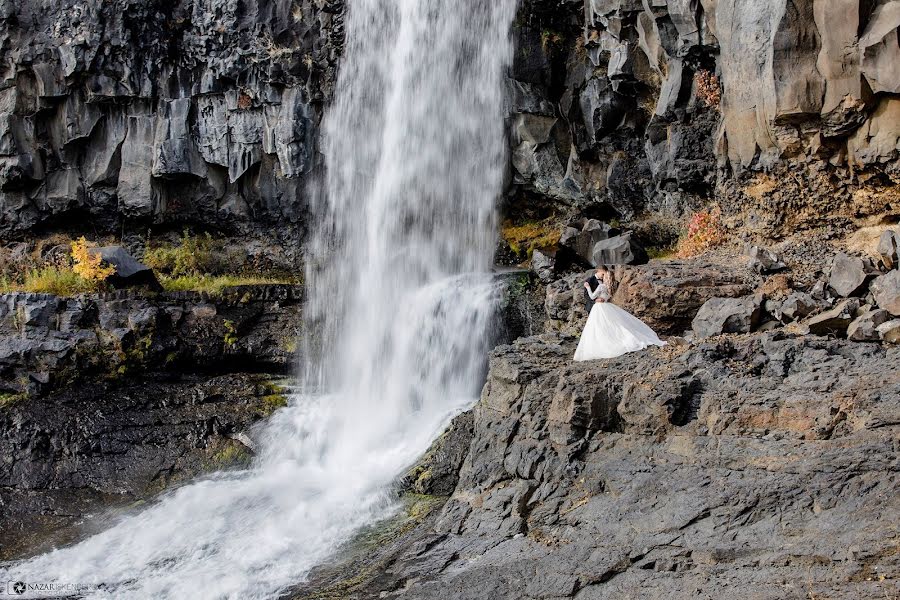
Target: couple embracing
610, 331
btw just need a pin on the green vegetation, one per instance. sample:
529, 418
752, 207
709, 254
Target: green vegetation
193, 256
214, 285
60, 281
10, 398
233, 455
660, 252
275, 397
200, 263
550, 38
525, 238
231, 336
61, 273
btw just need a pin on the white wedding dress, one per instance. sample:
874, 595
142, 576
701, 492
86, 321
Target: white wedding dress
611, 331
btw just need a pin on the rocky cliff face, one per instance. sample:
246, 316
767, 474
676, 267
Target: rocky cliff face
756, 466
124, 115
120, 115
784, 111
760, 464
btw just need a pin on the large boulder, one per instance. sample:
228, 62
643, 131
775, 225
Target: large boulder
128, 271
797, 306
728, 315
889, 247
667, 295
890, 331
543, 264
886, 290
865, 327
848, 274
619, 250
763, 260
834, 321
581, 236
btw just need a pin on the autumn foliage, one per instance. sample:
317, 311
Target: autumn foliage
88, 265
704, 232
708, 89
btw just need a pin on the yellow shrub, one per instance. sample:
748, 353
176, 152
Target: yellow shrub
87, 265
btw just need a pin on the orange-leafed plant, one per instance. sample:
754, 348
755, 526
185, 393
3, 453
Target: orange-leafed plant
88, 265
704, 231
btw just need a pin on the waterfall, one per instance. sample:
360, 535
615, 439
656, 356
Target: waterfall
400, 300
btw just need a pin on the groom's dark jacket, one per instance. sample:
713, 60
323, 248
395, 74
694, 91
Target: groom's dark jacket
588, 303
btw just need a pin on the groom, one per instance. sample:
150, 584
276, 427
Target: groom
593, 281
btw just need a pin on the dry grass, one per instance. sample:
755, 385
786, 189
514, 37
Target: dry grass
524, 239
214, 285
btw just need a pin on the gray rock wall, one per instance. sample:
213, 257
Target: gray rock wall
613, 118
194, 111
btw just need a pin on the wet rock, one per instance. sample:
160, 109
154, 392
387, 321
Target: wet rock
437, 473
886, 290
80, 450
848, 274
865, 327
128, 271
728, 315
543, 264
763, 260
834, 321
888, 245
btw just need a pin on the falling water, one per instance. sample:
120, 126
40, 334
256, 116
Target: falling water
400, 300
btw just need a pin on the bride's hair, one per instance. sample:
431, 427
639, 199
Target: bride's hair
609, 279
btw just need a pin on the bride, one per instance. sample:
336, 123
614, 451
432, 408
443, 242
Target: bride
611, 331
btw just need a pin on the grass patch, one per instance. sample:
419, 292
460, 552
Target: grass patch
660, 252
77, 271
524, 239
193, 255
60, 281
10, 398
214, 285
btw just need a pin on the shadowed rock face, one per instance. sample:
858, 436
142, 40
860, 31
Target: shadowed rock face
69, 456
47, 342
161, 112
763, 463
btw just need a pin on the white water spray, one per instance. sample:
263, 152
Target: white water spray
401, 301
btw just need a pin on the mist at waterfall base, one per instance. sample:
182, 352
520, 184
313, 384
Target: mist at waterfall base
400, 300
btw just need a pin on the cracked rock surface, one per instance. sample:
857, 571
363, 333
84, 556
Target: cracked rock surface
760, 466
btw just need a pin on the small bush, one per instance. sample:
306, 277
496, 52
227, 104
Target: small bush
704, 232
193, 256
87, 265
525, 239
51, 270
707, 88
